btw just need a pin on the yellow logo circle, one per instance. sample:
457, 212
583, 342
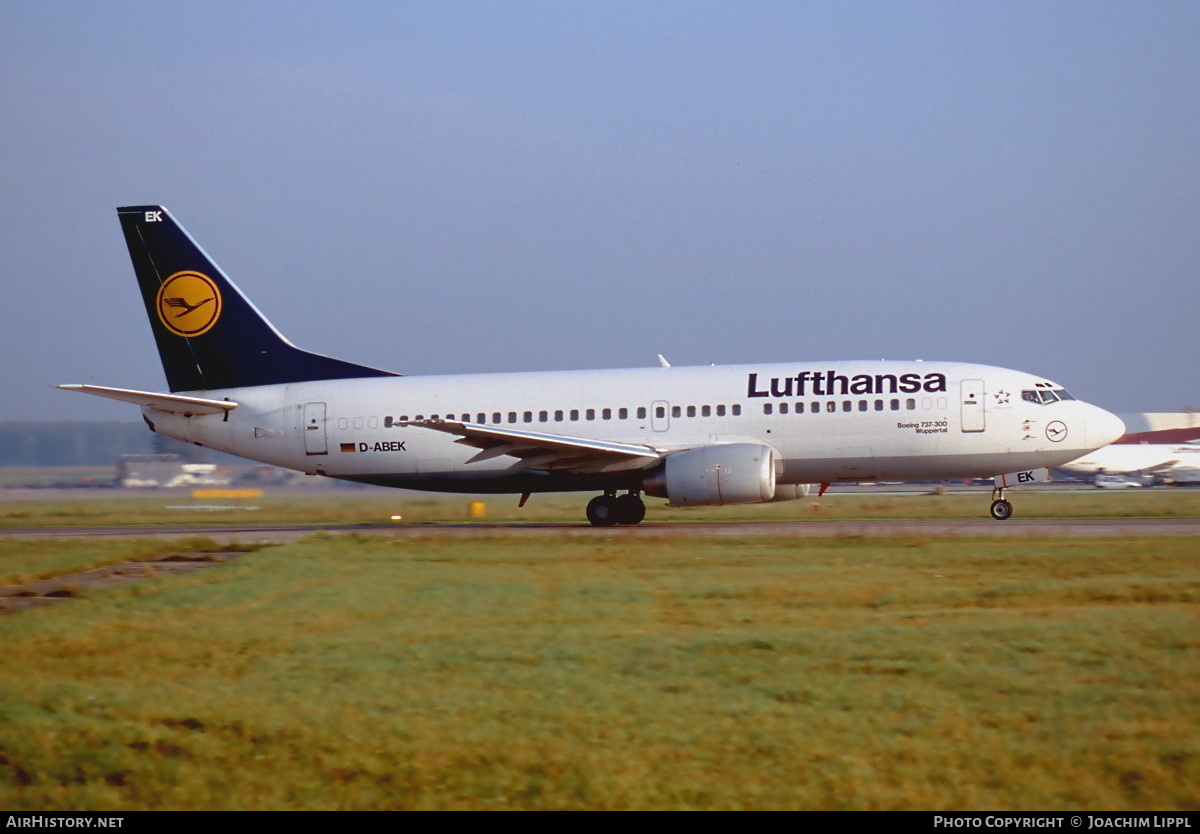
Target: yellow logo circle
189, 303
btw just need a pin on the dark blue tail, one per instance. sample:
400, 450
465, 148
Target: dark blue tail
209, 335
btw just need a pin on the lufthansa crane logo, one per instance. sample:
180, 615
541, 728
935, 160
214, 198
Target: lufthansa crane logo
1056, 432
189, 303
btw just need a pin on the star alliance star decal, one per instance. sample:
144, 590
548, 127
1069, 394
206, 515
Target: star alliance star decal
1001, 397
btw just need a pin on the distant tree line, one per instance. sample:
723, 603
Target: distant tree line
85, 444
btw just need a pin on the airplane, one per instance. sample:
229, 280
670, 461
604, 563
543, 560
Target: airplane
697, 436
1136, 459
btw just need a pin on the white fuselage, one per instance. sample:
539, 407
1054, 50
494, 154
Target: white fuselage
828, 421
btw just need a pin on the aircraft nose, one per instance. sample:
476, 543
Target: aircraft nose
1103, 428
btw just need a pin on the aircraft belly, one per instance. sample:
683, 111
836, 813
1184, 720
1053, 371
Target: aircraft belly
503, 482
911, 468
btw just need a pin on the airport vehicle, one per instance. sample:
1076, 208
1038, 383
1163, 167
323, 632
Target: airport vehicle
1116, 482
693, 435
1184, 476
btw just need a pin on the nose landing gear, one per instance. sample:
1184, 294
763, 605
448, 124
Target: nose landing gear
608, 510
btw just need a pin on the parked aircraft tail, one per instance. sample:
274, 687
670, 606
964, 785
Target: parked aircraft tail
209, 335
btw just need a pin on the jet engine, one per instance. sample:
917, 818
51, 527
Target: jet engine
730, 473
792, 492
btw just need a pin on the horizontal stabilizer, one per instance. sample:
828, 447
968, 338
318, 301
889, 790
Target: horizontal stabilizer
163, 402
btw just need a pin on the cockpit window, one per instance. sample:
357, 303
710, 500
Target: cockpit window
1045, 396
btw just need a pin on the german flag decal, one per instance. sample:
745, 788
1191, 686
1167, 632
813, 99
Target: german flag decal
347, 447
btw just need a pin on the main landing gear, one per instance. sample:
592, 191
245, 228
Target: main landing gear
608, 510
1001, 508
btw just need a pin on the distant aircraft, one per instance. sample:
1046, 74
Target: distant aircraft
1136, 459
696, 436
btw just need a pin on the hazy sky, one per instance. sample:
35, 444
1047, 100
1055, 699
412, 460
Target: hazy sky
439, 187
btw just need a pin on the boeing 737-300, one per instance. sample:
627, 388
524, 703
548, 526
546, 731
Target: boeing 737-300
695, 436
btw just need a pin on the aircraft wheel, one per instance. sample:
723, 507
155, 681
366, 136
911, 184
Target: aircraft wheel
1001, 510
602, 511
630, 509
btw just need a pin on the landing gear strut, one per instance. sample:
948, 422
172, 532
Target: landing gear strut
1001, 508
608, 510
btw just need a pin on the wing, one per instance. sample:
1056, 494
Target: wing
537, 450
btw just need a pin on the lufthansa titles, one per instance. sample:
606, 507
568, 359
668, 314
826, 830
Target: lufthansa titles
831, 383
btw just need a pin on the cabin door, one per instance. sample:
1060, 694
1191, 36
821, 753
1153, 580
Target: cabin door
972, 408
314, 429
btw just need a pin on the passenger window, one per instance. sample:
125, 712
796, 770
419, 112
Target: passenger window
831, 406
660, 411
512, 416
895, 405
387, 422
720, 411
691, 411
879, 405
574, 414
676, 411
558, 416
800, 408
358, 422
862, 405
591, 414
737, 410
706, 411
543, 416
783, 408
766, 408
910, 404
623, 414
641, 412
845, 405
495, 416
606, 414
480, 417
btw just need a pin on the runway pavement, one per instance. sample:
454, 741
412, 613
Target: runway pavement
952, 528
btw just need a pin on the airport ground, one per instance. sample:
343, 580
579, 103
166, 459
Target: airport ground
707, 659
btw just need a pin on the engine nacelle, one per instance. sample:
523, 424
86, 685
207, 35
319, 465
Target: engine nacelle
729, 473
792, 492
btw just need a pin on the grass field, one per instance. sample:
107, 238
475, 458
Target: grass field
347, 672
177, 507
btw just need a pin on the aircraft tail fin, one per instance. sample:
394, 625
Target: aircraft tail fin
209, 335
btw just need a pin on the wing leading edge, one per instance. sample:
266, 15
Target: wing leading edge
164, 402
538, 450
